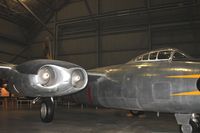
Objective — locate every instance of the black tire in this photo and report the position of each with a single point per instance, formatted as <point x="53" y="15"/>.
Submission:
<point x="195" y="127"/>
<point x="47" y="110"/>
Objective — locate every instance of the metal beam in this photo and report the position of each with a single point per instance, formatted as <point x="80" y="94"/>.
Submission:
<point x="46" y="4"/>
<point x="12" y="39"/>
<point x="11" y="54"/>
<point x="105" y="51"/>
<point x="14" y="17"/>
<point x="99" y="39"/>
<point x="35" y="16"/>
<point x="6" y="4"/>
<point x="127" y="13"/>
<point x="149" y="25"/>
<point x="133" y="27"/>
<point x="56" y="30"/>
<point x="19" y="55"/>
<point x="88" y="7"/>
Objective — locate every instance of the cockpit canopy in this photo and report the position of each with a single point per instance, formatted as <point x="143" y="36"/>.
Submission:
<point x="162" y="55"/>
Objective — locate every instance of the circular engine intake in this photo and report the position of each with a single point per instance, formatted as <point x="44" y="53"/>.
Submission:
<point x="78" y="78"/>
<point x="46" y="76"/>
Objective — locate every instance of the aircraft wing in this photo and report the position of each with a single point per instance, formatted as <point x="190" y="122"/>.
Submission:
<point x="108" y="73"/>
<point x="43" y="78"/>
<point x="95" y="76"/>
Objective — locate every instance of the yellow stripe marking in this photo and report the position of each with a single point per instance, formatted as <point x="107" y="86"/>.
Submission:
<point x="186" y="76"/>
<point x="192" y="93"/>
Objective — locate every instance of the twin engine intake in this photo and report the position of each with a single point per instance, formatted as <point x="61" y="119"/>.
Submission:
<point x="47" y="78"/>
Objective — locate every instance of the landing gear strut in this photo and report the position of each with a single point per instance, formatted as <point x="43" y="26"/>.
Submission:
<point x="47" y="110"/>
<point x="189" y="123"/>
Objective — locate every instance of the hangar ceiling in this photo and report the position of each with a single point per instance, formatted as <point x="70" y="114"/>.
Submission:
<point x="26" y="12"/>
<point x="96" y="33"/>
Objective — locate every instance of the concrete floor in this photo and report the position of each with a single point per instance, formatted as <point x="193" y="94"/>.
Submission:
<point x="75" y="120"/>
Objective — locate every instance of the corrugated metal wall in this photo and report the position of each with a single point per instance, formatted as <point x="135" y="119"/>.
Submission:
<point x="96" y="33"/>
<point x="10" y="42"/>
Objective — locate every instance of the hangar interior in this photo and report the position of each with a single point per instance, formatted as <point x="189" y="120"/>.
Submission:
<point x="95" y="33"/>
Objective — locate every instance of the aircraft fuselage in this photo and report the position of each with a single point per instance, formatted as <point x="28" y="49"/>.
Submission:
<point x="161" y="86"/>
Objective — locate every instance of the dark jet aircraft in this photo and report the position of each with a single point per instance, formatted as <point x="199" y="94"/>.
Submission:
<point x="43" y="79"/>
<point x="164" y="80"/>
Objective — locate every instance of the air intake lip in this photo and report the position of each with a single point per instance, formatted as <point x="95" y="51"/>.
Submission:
<point x="198" y="84"/>
<point x="79" y="78"/>
<point x="46" y="76"/>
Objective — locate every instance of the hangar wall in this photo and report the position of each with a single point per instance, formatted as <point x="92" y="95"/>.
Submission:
<point x="96" y="33"/>
<point x="11" y="42"/>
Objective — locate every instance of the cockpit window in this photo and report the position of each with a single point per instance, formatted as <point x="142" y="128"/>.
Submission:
<point x="145" y="57"/>
<point x="139" y="58"/>
<point x="178" y="56"/>
<point x="164" y="55"/>
<point x="153" y="55"/>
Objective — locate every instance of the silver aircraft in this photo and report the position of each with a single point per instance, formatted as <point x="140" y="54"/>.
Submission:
<point x="43" y="79"/>
<point x="164" y="80"/>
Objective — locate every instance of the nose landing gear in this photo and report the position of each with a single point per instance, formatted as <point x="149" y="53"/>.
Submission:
<point x="189" y="123"/>
<point x="47" y="110"/>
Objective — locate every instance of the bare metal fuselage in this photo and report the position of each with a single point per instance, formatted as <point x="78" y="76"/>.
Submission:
<point x="161" y="86"/>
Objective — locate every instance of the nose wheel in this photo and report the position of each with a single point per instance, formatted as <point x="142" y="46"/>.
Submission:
<point x="189" y="123"/>
<point x="47" y="110"/>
